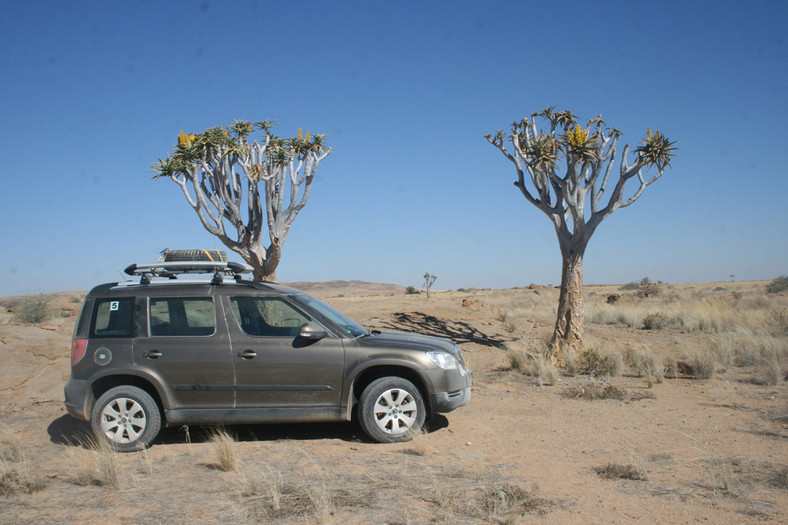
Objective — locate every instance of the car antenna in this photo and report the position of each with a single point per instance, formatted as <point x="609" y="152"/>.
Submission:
<point x="125" y="279"/>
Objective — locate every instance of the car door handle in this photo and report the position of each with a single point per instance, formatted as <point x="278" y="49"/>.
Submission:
<point x="248" y="354"/>
<point x="153" y="354"/>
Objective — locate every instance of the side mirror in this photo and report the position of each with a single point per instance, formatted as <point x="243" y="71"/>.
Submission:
<point x="312" y="331"/>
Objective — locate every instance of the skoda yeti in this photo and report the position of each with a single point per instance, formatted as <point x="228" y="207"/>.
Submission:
<point x="170" y="350"/>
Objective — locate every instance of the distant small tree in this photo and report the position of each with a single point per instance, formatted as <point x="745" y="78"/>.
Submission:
<point x="428" y="280"/>
<point x="733" y="277"/>
<point x="647" y="288"/>
<point x="222" y="172"/>
<point x="577" y="197"/>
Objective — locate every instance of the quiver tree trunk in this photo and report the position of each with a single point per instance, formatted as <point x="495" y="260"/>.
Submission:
<point x="568" y="333"/>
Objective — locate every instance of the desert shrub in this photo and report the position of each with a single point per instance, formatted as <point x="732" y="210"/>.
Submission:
<point x="778" y="284"/>
<point x="596" y="362"/>
<point x="630" y="286"/>
<point x="655" y="321"/>
<point x="34" y="309"/>
<point x="410" y="290"/>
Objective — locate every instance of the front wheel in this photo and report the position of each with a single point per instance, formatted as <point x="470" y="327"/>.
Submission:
<point x="127" y="417"/>
<point x="391" y="410"/>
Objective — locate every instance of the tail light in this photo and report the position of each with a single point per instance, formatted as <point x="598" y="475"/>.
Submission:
<point x="78" y="347"/>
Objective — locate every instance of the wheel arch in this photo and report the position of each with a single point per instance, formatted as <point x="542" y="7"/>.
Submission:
<point x="370" y="374"/>
<point x="103" y="384"/>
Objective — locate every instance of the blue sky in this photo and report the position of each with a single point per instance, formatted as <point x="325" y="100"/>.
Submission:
<point x="93" y="92"/>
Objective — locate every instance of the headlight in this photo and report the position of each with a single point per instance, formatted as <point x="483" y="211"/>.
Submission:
<point x="443" y="360"/>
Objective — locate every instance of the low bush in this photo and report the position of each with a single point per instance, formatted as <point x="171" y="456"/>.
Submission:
<point x="778" y="284"/>
<point x="596" y="362"/>
<point x="34" y="309"/>
<point x="410" y="290"/>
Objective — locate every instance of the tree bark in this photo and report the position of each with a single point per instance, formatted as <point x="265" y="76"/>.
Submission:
<point x="568" y="333"/>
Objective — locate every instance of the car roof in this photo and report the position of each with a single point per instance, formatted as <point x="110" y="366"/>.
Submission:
<point x="191" y="285"/>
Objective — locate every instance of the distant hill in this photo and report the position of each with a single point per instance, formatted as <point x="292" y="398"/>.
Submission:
<point x="347" y="288"/>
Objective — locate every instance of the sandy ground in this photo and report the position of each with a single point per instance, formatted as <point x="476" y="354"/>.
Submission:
<point x="681" y="451"/>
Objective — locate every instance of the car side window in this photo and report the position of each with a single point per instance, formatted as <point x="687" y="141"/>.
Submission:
<point x="182" y="316"/>
<point x="267" y="316"/>
<point x="113" y="318"/>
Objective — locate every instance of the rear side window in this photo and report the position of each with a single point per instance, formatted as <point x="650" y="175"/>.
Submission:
<point x="182" y="316"/>
<point x="113" y="317"/>
<point x="267" y="316"/>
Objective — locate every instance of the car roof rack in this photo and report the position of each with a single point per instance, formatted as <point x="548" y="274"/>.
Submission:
<point x="171" y="270"/>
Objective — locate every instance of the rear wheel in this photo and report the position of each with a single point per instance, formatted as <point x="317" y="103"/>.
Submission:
<point x="127" y="417"/>
<point x="391" y="410"/>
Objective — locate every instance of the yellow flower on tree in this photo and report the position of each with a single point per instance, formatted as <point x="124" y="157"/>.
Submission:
<point x="578" y="136"/>
<point x="184" y="139"/>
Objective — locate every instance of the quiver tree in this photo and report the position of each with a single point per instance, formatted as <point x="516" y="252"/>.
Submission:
<point x="429" y="280"/>
<point x="222" y="172"/>
<point x="573" y="175"/>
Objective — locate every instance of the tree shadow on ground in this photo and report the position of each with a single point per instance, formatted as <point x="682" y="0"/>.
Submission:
<point x="458" y="331"/>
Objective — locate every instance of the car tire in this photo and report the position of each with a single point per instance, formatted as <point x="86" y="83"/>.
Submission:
<point x="126" y="417"/>
<point x="391" y="410"/>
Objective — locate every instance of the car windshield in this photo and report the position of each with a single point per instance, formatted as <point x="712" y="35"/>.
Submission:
<point x="350" y="326"/>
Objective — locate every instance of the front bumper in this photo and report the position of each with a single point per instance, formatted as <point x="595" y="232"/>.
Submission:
<point x="442" y="402"/>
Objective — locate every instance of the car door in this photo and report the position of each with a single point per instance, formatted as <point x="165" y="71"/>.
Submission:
<point x="188" y="352"/>
<point x="275" y="368"/>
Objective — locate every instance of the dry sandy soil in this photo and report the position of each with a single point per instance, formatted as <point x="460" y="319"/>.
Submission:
<point x="684" y="450"/>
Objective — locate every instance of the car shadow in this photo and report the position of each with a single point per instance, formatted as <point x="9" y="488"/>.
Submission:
<point x="67" y="430"/>
<point x="70" y="431"/>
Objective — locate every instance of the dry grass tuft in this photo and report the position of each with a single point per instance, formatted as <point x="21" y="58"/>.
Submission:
<point x="94" y="462"/>
<point x="594" y="391"/>
<point x="12" y="483"/>
<point x="11" y="447"/>
<point x="510" y="500"/>
<point x="499" y="502"/>
<point x="537" y="366"/>
<point x="419" y="444"/>
<point x="617" y="471"/>
<point x="225" y="448"/>
<point x="737" y="477"/>
<point x="699" y="362"/>
<point x="648" y="363"/>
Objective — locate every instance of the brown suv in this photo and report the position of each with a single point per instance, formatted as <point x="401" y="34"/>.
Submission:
<point x="172" y="350"/>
